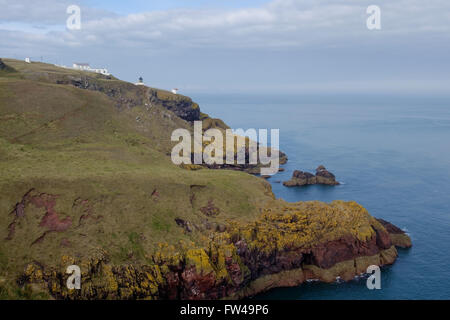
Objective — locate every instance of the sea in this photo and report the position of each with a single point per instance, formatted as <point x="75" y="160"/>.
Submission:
<point x="391" y="152"/>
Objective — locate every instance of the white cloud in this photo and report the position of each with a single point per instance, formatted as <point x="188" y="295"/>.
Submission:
<point x="320" y="39"/>
<point x="279" y="23"/>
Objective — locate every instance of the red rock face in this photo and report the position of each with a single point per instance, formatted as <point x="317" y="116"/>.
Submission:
<point x="383" y="239"/>
<point x="324" y="255"/>
<point x="170" y="291"/>
<point x="50" y="221"/>
<point x="196" y="286"/>
<point x="192" y="285"/>
<point x="185" y="282"/>
<point x="235" y="272"/>
<point x="327" y="255"/>
<point x="188" y="283"/>
<point x="390" y="227"/>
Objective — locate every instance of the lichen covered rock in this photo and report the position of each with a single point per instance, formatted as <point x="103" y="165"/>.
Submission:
<point x="287" y="245"/>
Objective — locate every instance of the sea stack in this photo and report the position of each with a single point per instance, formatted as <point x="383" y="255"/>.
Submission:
<point x="300" y="178"/>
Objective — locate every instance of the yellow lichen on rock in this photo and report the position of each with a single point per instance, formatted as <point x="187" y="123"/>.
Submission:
<point x="200" y="260"/>
<point x="306" y="224"/>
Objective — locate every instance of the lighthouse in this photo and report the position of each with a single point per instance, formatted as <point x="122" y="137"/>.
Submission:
<point x="140" y="82"/>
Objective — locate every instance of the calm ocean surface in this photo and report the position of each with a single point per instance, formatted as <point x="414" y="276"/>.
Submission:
<point x="392" y="155"/>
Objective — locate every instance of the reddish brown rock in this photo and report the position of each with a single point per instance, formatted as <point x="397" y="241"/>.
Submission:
<point x="397" y="236"/>
<point x="210" y="209"/>
<point x="51" y="221"/>
<point x="323" y="176"/>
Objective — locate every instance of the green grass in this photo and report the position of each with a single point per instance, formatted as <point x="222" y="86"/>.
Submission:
<point x="75" y="144"/>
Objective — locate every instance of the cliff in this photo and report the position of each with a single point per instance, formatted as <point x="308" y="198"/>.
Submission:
<point x="87" y="180"/>
<point x="286" y="246"/>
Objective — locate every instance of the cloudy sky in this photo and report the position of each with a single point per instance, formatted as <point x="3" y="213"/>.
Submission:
<point x="275" y="46"/>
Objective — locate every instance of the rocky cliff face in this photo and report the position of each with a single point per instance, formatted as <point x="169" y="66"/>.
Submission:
<point x="182" y="106"/>
<point x="323" y="176"/>
<point x="4" y="67"/>
<point x="85" y="180"/>
<point x="129" y="96"/>
<point x="279" y="249"/>
<point x="397" y="235"/>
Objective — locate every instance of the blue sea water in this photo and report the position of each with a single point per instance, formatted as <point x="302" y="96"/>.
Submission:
<point x="392" y="155"/>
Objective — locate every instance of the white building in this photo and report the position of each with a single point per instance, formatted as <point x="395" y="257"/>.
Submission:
<point x="87" y="67"/>
<point x="27" y="60"/>
<point x="175" y="90"/>
<point x="102" y="71"/>
<point x="81" y="66"/>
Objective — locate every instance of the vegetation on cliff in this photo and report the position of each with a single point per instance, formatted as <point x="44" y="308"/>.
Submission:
<point x="87" y="180"/>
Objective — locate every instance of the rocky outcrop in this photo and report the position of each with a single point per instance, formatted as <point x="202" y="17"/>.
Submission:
<point x="323" y="176"/>
<point x="280" y="249"/>
<point x="5" y="67"/>
<point x="129" y="95"/>
<point x="182" y="106"/>
<point x="300" y="178"/>
<point x="398" y="237"/>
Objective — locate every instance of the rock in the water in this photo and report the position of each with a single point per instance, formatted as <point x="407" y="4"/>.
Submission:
<point x="398" y="237"/>
<point x="323" y="176"/>
<point x="300" y="178"/>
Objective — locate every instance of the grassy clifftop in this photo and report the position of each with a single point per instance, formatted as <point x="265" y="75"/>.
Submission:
<point x="86" y="178"/>
<point x="89" y="154"/>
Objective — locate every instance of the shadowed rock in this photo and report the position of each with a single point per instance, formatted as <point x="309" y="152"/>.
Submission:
<point x="398" y="237"/>
<point x="4" y="67"/>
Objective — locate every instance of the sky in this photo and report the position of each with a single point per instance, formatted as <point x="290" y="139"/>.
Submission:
<point x="231" y="46"/>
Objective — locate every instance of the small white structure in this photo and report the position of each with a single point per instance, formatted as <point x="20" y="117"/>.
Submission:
<point x="102" y="71"/>
<point x="140" y="82"/>
<point x="86" y="67"/>
<point x="27" y="60"/>
<point x="81" y="66"/>
<point x="175" y="90"/>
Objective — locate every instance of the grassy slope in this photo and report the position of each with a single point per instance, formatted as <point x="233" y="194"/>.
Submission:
<point x="97" y="160"/>
<point x="75" y="144"/>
